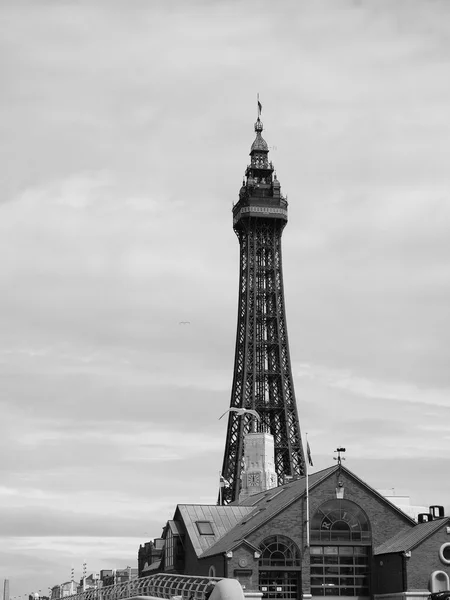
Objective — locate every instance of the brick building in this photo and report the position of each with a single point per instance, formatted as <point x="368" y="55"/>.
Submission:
<point x="149" y="556"/>
<point x="113" y="576"/>
<point x="357" y="543"/>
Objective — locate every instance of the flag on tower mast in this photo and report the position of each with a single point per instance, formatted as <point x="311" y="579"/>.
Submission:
<point x="308" y="452"/>
<point x="259" y="107"/>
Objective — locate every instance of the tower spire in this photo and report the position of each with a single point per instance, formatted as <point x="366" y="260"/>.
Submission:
<point x="262" y="378"/>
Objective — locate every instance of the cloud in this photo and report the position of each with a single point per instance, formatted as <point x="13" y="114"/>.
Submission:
<point x="397" y="391"/>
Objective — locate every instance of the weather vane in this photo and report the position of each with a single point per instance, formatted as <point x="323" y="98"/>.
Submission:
<point x="339" y="458"/>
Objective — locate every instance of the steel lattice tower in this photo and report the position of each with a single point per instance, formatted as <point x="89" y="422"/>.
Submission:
<point x="262" y="368"/>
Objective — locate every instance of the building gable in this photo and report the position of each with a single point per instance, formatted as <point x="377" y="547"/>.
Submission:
<point x="206" y="524"/>
<point x="266" y="506"/>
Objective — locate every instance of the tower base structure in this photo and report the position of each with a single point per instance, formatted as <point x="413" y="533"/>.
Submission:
<point x="259" y="472"/>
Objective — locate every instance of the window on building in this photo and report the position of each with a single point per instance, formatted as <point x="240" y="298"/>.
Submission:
<point x="339" y="570"/>
<point x="205" y="527"/>
<point x="340" y="520"/>
<point x="279" y="551"/>
<point x="168" y="551"/>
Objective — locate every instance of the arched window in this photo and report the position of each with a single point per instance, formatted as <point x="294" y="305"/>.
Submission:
<point x="340" y="520"/>
<point x="279" y="551"/>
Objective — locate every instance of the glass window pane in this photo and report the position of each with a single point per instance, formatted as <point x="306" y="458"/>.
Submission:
<point x="205" y="528"/>
<point x="347" y="591"/>
<point x="331" y="592"/>
<point x="335" y="573"/>
<point x="334" y="513"/>
<point x="317" y="591"/>
<point x="341" y="536"/>
<point x="279" y="551"/>
<point x="316" y="550"/>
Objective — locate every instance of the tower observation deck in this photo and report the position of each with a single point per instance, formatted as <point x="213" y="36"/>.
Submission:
<point x="262" y="377"/>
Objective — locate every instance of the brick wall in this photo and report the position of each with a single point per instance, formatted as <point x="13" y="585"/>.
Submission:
<point x="425" y="559"/>
<point x="244" y="567"/>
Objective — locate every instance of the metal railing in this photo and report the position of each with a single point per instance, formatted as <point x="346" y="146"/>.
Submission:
<point x="161" y="585"/>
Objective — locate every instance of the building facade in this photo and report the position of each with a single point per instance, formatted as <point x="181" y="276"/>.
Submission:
<point x="353" y="544"/>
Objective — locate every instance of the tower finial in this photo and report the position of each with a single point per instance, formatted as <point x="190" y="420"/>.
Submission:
<point x="258" y="124"/>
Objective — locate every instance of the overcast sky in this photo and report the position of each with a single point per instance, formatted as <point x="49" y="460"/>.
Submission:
<point x="125" y="132"/>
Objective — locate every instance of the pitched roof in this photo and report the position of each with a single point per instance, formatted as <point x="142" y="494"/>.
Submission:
<point x="222" y="519"/>
<point x="263" y="507"/>
<point x="173" y="526"/>
<point x="403" y="541"/>
<point x="269" y="503"/>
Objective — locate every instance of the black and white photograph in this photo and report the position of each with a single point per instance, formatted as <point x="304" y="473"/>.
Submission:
<point x="225" y="299"/>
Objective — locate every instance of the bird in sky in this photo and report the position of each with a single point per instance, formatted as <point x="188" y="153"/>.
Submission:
<point x="184" y="323"/>
<point x="242" y="411"/>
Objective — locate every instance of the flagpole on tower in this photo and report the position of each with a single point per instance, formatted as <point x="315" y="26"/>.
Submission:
<point x="307" y="499"/>
<point x="259" y="105"/>
<point x="309" y="463"/>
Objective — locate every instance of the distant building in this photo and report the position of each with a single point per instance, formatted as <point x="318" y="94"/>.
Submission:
<point x="90" y="582"/>
<point x="113" y="576"/>
<point x="105" y="575"/>
<point x="404" y="503"/>
<point x="149" y="557"/>
<point x="69" y="588"/>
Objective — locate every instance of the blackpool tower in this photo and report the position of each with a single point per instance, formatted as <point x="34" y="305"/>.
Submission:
<point x="262" y="378"/>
